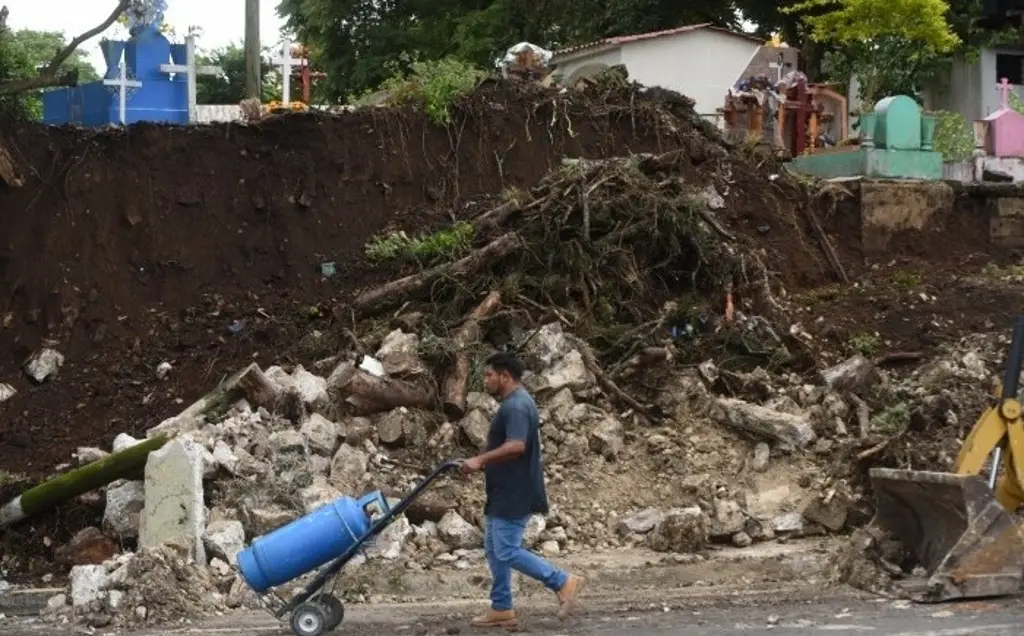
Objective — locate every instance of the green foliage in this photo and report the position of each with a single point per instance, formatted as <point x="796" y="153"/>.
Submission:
<point x="857" y="21"/>
<point x="954" y="136"/>
<point x="1010" y="271"/>
<point x="1016" y="103"/>
<point x="865" y="343"/>
<point x="892" y="420"/>
<point x="913" y="66"/>
<point x="906" y="280"/>
<point x="427" y="250"/>
<point x="229" y="88"/>
<point x="434" y="85"/>
<point x="890" y="47"/>
<point x="22" y="54"/>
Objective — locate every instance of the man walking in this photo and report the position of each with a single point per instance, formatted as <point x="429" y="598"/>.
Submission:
<point x="514" y="481"/>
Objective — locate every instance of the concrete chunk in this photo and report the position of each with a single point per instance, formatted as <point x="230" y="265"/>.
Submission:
<point x="224" y="539"/>
<point x="793" y="430"/>
<point x="321" y="435"/>
<point x="174" y="513"/>
<point x="125" y="501"/>
<point x="87" y="583"/>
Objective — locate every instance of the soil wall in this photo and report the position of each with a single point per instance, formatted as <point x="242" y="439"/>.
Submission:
<point x="160" y="243"/>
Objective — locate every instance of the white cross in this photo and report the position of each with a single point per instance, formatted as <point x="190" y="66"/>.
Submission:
<point x="287" y="62"/>
<point x="123" y="84"/>
<point x="189" y="68"/>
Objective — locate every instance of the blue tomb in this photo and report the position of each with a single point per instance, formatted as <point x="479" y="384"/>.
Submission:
<point x="152" y="94"/>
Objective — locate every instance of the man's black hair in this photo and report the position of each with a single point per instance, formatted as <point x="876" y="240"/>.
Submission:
<point x="506" y="361"/>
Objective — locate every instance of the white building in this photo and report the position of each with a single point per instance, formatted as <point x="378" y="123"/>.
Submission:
<point x="700" y="61"/>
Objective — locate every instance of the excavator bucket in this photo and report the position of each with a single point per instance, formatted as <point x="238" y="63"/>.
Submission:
<point x="965" y="540"/>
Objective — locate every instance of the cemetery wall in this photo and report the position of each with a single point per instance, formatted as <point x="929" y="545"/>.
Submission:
<point x="210" y="113"/>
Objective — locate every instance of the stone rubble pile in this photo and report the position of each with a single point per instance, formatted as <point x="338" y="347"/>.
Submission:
<point x="227" y="479"/>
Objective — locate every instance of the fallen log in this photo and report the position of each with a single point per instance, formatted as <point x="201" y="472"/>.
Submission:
<point x="369" y="394"/>
<point x="457" y="379"/>
<point x="898" y="356"/>
<point x="401" y="290"/>
<point x="250" y="383"/>
<point x="126" y="464"/>
<point x="496" y="217"/>
<point x="258" y="388"/>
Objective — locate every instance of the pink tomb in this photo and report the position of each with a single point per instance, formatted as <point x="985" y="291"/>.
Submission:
<point x="1005" y="128"/>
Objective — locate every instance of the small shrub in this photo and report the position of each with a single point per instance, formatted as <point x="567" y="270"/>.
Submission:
<point x="441" y="246"/>
<point x="433" y="84"/>
<point x="866" y="344"/>
<point x="954" y="136"/>
<point x="892" y="420"/>
<point x="906" y="280"/>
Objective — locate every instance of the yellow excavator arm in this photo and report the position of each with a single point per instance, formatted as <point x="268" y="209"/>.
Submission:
<point x="958" y="525"/>
<point x="998" y="433"/>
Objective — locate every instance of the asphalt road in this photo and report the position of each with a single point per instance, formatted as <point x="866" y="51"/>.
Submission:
<point x="844" y="616"/>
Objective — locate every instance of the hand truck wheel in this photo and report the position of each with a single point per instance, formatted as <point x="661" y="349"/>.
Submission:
<point x="310" y="619"/>
<point x="334" y="608"/>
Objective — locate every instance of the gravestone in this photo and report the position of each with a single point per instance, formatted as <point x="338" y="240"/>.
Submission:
<point x="1004" y="129"/>
<point x="897" y="124"/>
<point x="895" y="143"/>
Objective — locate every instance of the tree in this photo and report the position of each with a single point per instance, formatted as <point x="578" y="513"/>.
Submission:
<point x="51" y="73"/>
<point x="891" y="47"/>
<point x="24" y="52"/>
<point x="229" y="88"/>
<point x="38" y="47"/>
<point x="358" y="41"/>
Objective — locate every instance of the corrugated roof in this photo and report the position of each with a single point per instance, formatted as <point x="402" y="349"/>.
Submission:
<point x="625" y="39"/>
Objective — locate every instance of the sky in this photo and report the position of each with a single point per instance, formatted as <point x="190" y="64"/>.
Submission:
<point x="222" y="21"/>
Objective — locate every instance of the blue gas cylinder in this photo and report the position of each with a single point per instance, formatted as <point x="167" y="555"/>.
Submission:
<point x="308" y="542"/>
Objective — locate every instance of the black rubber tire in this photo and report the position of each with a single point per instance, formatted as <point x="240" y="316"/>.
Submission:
<point x="310" y="619"/>
<point x="334" y="608"/>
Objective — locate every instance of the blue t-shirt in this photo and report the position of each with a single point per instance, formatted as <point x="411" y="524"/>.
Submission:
<point x="515" y="488"/>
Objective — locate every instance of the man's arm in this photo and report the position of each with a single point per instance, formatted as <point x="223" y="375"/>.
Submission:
<point x="517" y="428"/>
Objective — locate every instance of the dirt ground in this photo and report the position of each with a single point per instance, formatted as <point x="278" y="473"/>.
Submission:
<point x="759" y="594"/>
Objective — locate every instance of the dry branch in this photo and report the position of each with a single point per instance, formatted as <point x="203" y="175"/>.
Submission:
<point x="468" y="334"/>
<point x="591" y="363"/>
<point x="403" y="289"/>
<point x="826" y="245"/>
<point x="8" y="168"/>
<point x="863" y="414"/>
<point x="48" y="75"/>
<point x="898" y="356"/>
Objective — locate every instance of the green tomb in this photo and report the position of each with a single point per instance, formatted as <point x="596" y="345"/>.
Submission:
<point x="895" y="143"/>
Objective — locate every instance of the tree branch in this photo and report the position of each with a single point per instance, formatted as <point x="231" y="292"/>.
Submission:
<point x="48" y="76"/>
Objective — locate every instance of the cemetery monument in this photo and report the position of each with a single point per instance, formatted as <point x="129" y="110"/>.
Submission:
<point x="895" y="143"/>
<point x="147" y="79"/>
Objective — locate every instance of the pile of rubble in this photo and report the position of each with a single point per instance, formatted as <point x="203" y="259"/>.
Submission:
<point x="229" y="477"/>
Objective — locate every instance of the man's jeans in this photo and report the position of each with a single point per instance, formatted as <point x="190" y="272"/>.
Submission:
<point x="503" y="542"/>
